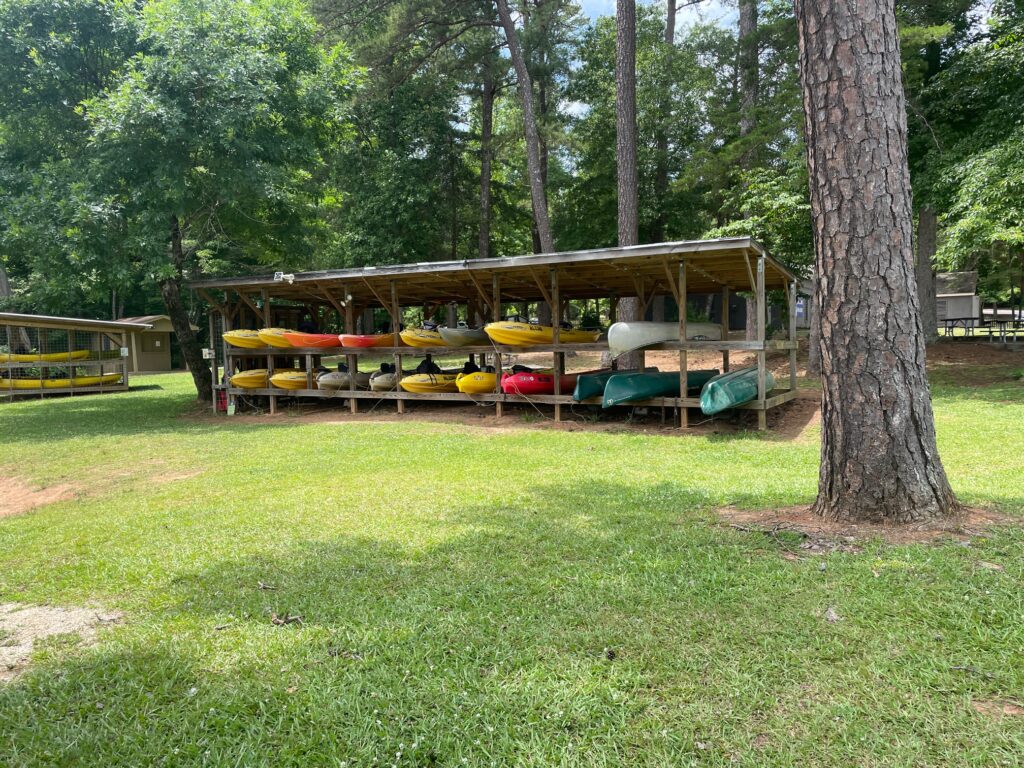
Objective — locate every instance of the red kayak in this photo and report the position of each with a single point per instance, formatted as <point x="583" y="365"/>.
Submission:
<point x="540" y="383"/>
<point x="374" y="340"/>
<point x="311" y="340"/>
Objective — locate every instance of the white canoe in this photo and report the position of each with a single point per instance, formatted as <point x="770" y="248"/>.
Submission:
<point x="629" y="337"/>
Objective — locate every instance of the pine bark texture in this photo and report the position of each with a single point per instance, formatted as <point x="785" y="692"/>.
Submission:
<point x="879" y="460"/>
<point x="625" y="148"/>
<point x="661" y="136"/>
<point x="525" y="89"/>
<point x="170" y="290"/>
<point x="927" y="244"/>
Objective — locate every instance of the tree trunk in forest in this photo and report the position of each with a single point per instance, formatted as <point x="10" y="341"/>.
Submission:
<point x="486" y="133"/>
<point x="927" y="244"/>
<point x="661" y="138"/>
<point x="879" y="460"/>
<point x="525" y="89"/>
<point x="625" y="148"/>
<point x="170" y="289"/>
<point x="749" y="77"/>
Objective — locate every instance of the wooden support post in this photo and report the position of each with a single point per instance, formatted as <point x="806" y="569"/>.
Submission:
<point x="396" y="313"/>
<point x="684" y="417"/>
<point x="213" y="357"/>
<point x="792" y="335"/>
<point x="268" y="322"/>
<point x="124" y="361"/>
<point x="229" y="362"/>
<point x="353" y="360"/>
<point x="762" y="414"/>
<point x="725" y="328"/>
<point x="496" y="315"/>
<point x="555" y="300"/>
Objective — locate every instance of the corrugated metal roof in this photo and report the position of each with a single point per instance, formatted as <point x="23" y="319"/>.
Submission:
<point x="50" y="321"/>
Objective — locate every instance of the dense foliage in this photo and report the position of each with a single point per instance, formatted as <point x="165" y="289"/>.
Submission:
<point x="349" y="133"/>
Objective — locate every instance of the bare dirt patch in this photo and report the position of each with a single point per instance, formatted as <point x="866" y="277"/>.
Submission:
<point x="822" y="536"/>
<point x="998" y="708"/>
<point x="17" y="496"/>
<point x="22" y="625"/>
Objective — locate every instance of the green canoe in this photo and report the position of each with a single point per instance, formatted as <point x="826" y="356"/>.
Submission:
<point x="630" y="387"/>
<point x="590" y="385"/>
<point x="732" y="389"/>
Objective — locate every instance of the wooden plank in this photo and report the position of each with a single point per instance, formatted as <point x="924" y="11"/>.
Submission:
<point x="684" y="417"/>
<point x="792" y="333"/>
<point x="496" y="314"/>
<point x="544" y="291"/>
<point x="339" y="308"/>
<point x="213" y="358"/>
<point x="725" y="328"/>
<point x="208" y="298"/>
<point x="396" y="314"/>
<point x="762" y="421"/>
<point x="671" y="280"/>
<point x="353" y="360"/>
<point x="556" y="334"/>
<point x="249" y="303"/>
<point x="483" y="294"/>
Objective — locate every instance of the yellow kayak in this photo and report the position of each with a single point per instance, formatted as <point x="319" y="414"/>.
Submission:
<point x="478" y="383"/>
<point x="244" y="339"/>
<point x="49" y="357"/>
<point x="291" y="380"/>
<point x="421" y="337"/>
<point x="78" y="381"/>
<point x="256" y="378"/>
<point x="516" y="334"/>
<point x="430" y="382"/>
<point x="274" y="337"/>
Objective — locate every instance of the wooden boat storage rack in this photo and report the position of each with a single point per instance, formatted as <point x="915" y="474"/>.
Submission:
<point x="484" y="287"/>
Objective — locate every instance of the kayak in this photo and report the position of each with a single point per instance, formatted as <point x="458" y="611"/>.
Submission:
<point x="479" y="383"/>
<point x="732" y="389"/>
<point x="244" y="338"/>
<point x="430" y="382"/>
<point x="383" y="381"/>
<point x="421" y="337"/>
<point x="274" y="337"/>
<point x="627" y="337"/>
<point x="538" y="383"/>
<point x="516" y="334"/>
<point x="590" y="385"/>
<point x="291" y="380"/>
<point x="464" y="337"/>
<point x="78" y="381"/>
<point x="342" y="380"/>
<point x="255" y="378"/>
<point x="48" y="357"/>
<point x="312" y="340"/>
<point x="630" y="387"/>
<point x="369" y="340"/>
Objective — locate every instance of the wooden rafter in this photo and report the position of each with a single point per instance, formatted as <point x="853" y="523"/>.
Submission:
<point x="481" y="291"/>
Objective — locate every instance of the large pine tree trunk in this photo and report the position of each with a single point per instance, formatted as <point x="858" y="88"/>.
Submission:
<point x="170" y="289"/>
<point x="486" y="133"/>
<point x="749" y="77"/>
<point x="625" y="147"/>
<point x="525" y="89"/>
<point x="927" y="244"/>
<point x="879" y="460"/>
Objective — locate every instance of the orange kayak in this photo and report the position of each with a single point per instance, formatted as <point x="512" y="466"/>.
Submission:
<point x="375" y="340"/>
<point x="311" y="340"/>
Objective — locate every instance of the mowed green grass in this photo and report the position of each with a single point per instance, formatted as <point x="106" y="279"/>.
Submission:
<point x="513" y="597"/>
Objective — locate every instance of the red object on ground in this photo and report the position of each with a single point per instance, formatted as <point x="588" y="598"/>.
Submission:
<point x="222" y="401"/>
<point x="539" y="383"/>
<point x="375" y="340"/>
<point x="311" y="340"/>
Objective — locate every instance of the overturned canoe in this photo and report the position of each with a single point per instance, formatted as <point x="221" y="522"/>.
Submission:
<point x="732" y="389"/>
<point x="590" y="385"/>
<point x="628" y="337"/>
<point x="633" y="387"/>
<point x="463" y="337"/>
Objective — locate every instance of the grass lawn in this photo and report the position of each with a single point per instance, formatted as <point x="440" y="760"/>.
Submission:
<point x="514" y="597"/>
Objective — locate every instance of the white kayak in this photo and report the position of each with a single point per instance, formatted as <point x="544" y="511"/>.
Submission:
<point x="342" y="379"/>
<point x="629" y="337"/>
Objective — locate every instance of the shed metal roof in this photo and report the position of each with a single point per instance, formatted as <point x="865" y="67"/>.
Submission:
<point x="68" y="323"/>
<point x="596" y="273"/>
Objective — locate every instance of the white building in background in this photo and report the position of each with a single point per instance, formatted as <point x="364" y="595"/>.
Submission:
<point x="956" y="297"/>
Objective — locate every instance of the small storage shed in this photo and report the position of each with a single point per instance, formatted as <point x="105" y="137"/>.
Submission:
<point x="956" y="297"/>
<point x="149" y="350"/>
